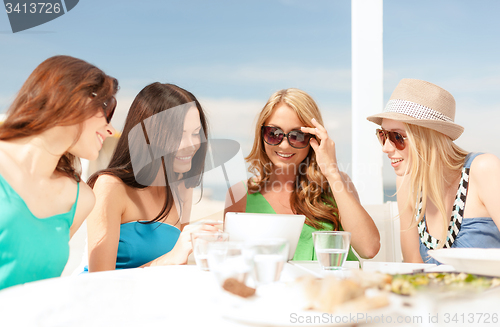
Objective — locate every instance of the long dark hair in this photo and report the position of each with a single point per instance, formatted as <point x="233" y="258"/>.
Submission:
<point x="57" y="94"/>
<point x="142" y="135"/>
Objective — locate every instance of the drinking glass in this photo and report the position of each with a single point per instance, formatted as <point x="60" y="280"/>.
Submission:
<point x="269" y="257"/>
<point x="200" y="241"/>
<point x="331" y="248"/>
<point x="229" y="260"/>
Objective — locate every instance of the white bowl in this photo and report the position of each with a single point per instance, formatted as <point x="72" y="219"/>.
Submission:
<point x="470" y="260"/>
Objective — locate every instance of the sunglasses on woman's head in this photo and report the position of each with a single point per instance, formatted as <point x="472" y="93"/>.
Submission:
<point x="108" y="107"/>
<point x="274" y="136"/>
<point x="397" y="139"/>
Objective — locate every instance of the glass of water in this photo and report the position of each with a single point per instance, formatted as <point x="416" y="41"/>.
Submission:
<point x="200" y="241"/>
<point x="269" y="257"/>
<point x="229" y="260"/>
<point x="331" y="248"/>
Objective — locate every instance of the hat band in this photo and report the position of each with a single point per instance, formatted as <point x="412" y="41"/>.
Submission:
<point x="415" y="110"/>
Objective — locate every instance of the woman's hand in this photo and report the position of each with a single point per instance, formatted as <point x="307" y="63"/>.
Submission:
<point x="184" y="247"/>
<point x="324" y="147"/>
<point x="365" y="237"/>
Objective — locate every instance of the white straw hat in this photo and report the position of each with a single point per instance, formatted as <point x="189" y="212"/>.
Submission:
<point x="424" y="104"/>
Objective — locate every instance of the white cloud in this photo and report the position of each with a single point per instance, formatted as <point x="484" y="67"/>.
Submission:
<point x="233" y="119"/>
<point x="468" y="83"/>
<point x="317" y="78"/>
<point x="473" y="84"/>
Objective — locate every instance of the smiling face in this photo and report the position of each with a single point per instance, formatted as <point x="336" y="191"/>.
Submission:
<point x="399" y="158"/>
<point x="94" y="131"/>
<point x="284" y="155"/>
<point x="190" y="143"/>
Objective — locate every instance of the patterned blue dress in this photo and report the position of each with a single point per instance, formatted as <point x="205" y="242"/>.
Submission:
<point x="479" y="232"/>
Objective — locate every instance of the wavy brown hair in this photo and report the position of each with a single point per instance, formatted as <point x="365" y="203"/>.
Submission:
<point x="57" y="94"/>
<point x="432" y="156"/>
<point x="313" y="196"/>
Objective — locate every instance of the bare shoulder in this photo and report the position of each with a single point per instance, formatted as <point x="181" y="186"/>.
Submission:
<point x="485" y="163"/>
<point x="485" y="169"/>
<point x="109" y="186"/>
<point x="106" y="179"/>
<point x="239" y="187"/>
<point x="109" y="193"/>
<point x="236" y="198"/>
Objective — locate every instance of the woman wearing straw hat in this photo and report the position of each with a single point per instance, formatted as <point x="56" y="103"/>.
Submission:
<point x="435" y="177"/>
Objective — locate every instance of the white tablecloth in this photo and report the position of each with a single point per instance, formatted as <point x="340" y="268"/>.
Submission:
<point x="186" y="296"/>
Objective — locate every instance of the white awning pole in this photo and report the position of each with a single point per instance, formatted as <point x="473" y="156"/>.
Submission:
<point x="367" y="97"/>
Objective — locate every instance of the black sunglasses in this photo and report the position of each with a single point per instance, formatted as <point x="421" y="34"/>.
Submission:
<point x="397" y="139"/>
<point x="274" y="136"/>
<point x="108" y="107"/>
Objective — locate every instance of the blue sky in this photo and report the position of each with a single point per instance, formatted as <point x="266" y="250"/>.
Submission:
<point x="234" y="54"/>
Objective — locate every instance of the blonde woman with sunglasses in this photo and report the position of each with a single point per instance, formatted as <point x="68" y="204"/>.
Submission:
<point x="447" y="197"/>
<point x="296" y="172"/>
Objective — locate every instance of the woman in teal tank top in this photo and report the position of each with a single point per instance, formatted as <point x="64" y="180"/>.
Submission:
<point x="62" y="112"/>
<point x="296" y="172"/>
<point x="144" y="196"/>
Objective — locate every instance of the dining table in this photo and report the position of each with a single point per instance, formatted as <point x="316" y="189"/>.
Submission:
<point x="184" y="295"/>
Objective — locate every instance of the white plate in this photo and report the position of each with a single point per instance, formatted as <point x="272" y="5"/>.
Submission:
<point x="280" y="304"/>
<point x="470" y="260"/>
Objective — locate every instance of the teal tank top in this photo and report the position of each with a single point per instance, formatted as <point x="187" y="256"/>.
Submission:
<point x="257" y="203"/>
<point x="31" y="248"/>
<point x="141" y="243"/>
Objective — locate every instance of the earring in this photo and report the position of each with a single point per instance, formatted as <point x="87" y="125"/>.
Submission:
<point x="109" y="132"/>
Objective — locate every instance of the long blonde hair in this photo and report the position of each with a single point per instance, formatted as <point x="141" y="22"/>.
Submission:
<point x="432" y="157"/>
<point x="313" y="196"/>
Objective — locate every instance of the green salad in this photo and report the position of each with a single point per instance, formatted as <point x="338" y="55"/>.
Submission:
<point x="411" y="283"/>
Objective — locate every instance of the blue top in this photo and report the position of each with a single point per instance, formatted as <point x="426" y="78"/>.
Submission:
<point x="480" y="232"/>
<point x="31" y="248"/>
<point x="141" y="243"/>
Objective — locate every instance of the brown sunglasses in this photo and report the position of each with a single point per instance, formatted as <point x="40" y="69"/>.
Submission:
<point x="397" y="139"/>
<point x="108" y="107"/>
<point x="273" y="135"/>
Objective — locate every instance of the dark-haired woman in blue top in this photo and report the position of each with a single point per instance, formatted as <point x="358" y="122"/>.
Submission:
<point x="144" y="197"/>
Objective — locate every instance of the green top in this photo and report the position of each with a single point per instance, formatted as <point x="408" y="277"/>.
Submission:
<point x="256" y="203"/>
<point x="31" y="248"/>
